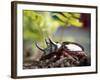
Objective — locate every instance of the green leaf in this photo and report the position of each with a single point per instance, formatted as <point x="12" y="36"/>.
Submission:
<point x="76" y="15"/>
<point x="61" y="17"/>
<point x="66" y="14"/>
<point x="75" y="22"/>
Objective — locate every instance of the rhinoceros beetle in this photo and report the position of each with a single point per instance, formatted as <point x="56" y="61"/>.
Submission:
<point x="53" y="46"/>
<point x="55" y="49"/>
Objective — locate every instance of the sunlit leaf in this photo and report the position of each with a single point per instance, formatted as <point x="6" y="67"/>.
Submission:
<point x="75" y="22"/>
<point x="76" y="15"/>
<point x="61" y="17"/>
<point x="66" y="14"/>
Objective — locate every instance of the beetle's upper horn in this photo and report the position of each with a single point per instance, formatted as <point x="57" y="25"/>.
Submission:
<point x="47" y="42"/>
<point x="52" y="42"/>
<point x="38" y="47"/>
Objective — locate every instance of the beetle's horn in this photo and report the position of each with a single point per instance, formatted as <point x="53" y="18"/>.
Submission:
<point x="47" y="43"/>
<point x="38" y="47"/>
<point x="52" y="42"/>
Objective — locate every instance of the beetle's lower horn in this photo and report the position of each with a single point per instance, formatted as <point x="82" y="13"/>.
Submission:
<point x="52" y="42"/>
<point x="47" y="43"/>
<point x="38" y="47"/>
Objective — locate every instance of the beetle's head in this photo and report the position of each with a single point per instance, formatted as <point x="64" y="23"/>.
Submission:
<point x="51" y="46"/>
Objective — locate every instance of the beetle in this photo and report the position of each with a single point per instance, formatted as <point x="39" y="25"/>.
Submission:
<point x="55" y="51"/>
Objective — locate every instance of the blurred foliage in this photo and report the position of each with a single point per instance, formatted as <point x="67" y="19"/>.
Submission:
<point x="39" y="25"/>
<point x="68" y="19"/>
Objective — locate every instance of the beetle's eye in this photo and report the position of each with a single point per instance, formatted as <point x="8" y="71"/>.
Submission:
<point x="74" y="47"/>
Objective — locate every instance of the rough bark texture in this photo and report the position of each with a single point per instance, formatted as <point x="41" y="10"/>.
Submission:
<point x="60" y="58"/>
